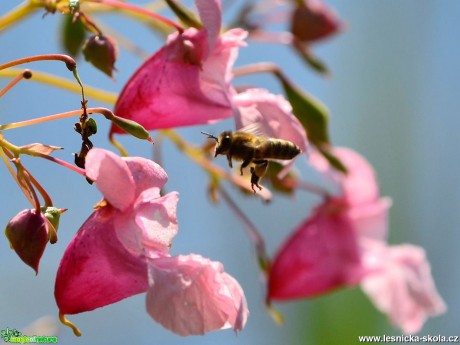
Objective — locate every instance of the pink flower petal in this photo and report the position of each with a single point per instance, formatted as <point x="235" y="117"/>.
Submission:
<point x="320" y="256"/>
<point x="109" y="170"/>
<point x="211" y="15"/>
<point x="96" y="269"/>
<point x="400" y="284"/>
<point x="146" y="175"/>
<point x="193" y="295"/>
<point x="371" y="220"/>
<point x="184" y="83"/>
<point x="150" y="231"/>
<point x="359" y="186"/>
<point x="273" y="115"/>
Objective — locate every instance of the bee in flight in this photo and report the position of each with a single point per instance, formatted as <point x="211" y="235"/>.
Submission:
<point x="250" y="148"/>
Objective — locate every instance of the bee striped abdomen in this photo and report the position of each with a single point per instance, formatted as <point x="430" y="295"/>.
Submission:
<point x="277" y="149"/>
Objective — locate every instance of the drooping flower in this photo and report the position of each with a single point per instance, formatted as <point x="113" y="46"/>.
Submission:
<point x="129" y="233"/>
<point x="313" y="20"/>
<point x="28" y="236"/>
<point x="29" y="232"/>
<point x="321" y="255"/>
<point x="396" y="278"/>
<point x="186" y="82"/>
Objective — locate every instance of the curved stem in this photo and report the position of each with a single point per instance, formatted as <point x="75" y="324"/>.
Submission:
<point x="104" y="111"/>
<point x="24" y="75"/>
<point x="25" y="182"/>
<point x="70" y="62"/>
<point x="254" y="235"/>
<point x="59" y="161"/>
<point x="131" y="8"/>
<point x="3" y="155"/>
<point x="46" y="198"/>
<point x="261" y="67"/>
<point x="66" y="84"/>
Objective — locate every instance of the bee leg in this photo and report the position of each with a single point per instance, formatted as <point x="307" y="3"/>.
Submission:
<point x="229" y="159"/>
<point x="258" y="172"/>
<point x="245" y="164"/>
<point x="254" y="180"/>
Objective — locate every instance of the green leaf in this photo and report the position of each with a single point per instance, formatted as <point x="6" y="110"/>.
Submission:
<point x="73" y="35"/>
<point x="186" y="16"/>
<point x="314" y="117"/>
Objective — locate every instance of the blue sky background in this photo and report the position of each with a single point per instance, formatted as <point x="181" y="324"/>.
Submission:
<point x="393" y="97"/>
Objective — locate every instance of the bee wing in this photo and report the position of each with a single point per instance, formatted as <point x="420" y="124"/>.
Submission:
<point x="255" y="129"/>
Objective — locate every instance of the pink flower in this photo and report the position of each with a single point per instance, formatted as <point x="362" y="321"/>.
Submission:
<point x="400" y="284"/>
<point x="322" y="254"/>
<point x="346" y="245"/>
<point x="193" y="295"/>
<point x="187" y="82"/>
<point x="129" y="234"/>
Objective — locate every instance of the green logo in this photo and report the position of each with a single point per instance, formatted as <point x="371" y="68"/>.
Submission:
<point x="16" y="337"/>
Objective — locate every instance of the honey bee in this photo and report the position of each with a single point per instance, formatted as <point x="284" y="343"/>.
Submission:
<point x="250" y="148"/>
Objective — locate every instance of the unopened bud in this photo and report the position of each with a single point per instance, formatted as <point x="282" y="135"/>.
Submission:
<point x="102" y="52"/>
<point x="28" y="236"/>
<point x="313" y="20"/>
<point x="131" y="127"/>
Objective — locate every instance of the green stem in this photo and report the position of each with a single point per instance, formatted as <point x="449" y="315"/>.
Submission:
<point x="18" y="13"/>
<point x="254" y="235"/>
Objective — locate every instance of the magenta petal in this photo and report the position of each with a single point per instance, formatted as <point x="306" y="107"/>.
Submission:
<point x="320" y="256"/>
<point x="146" y="175"/>
<point x="211" y="17"/>
<point x="28" y="236"/>
<point x="173" y="89"/>
<point x="109" y="170"/>
<point x="193" y="295"/>
<point x="151" y="231"/>
<point x="359" y="185"/>
<point x="96" y="269"/>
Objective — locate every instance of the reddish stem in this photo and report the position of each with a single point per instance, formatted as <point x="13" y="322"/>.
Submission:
<point x="70" y="63"/>
<point x="129" y="7"/>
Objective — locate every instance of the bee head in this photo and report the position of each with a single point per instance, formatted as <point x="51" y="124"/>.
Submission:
<point x="223" y="143"/>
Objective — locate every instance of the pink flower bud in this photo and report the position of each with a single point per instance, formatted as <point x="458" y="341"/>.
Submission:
<point x="313" y="21"/>
<point x="102" y="52"/>
<point x="28" y="235"/>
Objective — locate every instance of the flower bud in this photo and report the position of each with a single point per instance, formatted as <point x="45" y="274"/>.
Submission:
<point x="102" y="52"/>
<point x="131" y="127"/>
<point x="313" y="20"/>
<point x="53" y="215"/>
<point x="28" y="235"/>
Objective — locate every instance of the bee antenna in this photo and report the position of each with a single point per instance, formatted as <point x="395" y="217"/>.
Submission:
<point x="210" y="136"/>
